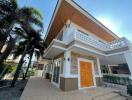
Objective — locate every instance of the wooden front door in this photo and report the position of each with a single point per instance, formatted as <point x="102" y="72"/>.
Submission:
<point x="86" y="74"/>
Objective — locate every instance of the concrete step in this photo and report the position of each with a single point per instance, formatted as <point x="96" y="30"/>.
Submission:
<point x="119" y="98"/>
<point x="110" y="96"/>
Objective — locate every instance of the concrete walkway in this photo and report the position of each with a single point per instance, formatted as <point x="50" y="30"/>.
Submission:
<point x="42" y="89"/>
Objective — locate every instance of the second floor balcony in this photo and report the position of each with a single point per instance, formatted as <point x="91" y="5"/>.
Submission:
<point x="75" y="39"/>
<point x="76" y="35"/>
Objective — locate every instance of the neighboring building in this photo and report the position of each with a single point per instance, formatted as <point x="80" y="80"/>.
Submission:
<point x="10" y="59"/>
<point x="78" y="45"/>
<point x="39" y="65"/>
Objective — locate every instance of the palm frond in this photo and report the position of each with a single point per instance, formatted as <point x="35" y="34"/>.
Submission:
<point x="36" y="13"/>
<point x="29" y="11"/>
<point x="19" y="49"/>
<point x="8" y="6"/>
<point x="20" y="32"/>
<point x="36" y="21"/>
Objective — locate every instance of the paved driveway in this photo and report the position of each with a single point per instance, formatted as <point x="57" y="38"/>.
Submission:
<point x="42" y="89"/>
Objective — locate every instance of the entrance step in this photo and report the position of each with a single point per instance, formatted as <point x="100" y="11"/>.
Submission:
<point x="110" y="96"/>
<point x="120" y="98"/>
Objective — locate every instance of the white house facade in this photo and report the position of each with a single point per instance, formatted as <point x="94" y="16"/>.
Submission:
<point x="78" y="45"/>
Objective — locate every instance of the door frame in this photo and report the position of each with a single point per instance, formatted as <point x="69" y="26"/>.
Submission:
<point x="93" y="72"/>
<point x="55" y="84"/>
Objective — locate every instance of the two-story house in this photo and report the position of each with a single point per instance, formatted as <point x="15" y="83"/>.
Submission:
<point x="78" y="45"/>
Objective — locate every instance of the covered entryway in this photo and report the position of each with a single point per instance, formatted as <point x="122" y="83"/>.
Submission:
<point x="86" y="74"/>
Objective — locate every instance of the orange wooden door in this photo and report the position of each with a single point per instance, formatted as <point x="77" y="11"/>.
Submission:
<point x="86" y="76"/>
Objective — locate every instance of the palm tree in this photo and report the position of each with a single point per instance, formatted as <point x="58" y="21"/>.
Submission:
<point x="6" y="9"/>
<point x="28" y="46"/>
<point x="26" y="17"/>
<point x="38" y="48"/>
<point x="10" y="45"/>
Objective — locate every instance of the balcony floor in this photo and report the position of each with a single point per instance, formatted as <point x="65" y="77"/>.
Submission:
<point x="42" y="89"/>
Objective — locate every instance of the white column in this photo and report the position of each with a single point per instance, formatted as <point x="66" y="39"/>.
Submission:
<point x="99" y="68"/>
<point x="67" y="64"/>
<point x="128" y="56"/>
<point x="51" y="66"/>
<point x="109" y="69"/>
<point x="68" y="34"/>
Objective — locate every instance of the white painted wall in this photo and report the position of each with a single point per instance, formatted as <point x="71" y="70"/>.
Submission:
<point x="128" y="56"/>
<point x="68" y="34"/>
<point x="67" y="64"/>
<point x="87" y="32"/>
<point x="99" y="68"/>
<point x="39" y="73"/>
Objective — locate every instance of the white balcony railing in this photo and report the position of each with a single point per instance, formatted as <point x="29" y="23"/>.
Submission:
<point x="122" y="42"/>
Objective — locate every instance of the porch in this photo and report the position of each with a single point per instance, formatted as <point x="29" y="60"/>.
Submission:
<point x="41" y="89"/>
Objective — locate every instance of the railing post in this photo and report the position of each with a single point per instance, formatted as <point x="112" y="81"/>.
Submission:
<point x="75" y="34"/>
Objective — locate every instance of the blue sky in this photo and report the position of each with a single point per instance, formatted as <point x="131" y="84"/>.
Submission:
<point x="114" y="14"/>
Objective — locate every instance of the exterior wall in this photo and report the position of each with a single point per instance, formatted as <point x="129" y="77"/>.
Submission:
<point x="68" y="34"/>
<point x="71" y="83"/>
<point x="39" y="73"/>
<point x="128" y="56"/>
<point x="69" y="29"/>
<point x="68" y="84"/>
<point x="74" y="62"/>
<point x="81" y="29"/>
<point x="74" y="66"/>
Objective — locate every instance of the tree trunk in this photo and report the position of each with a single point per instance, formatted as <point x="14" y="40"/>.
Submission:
<point x="29" y="63"/>
<point x="7" y="51"/>
<point x="19" y="66"/>
<point x="5" y="35"/>
<point x="4" y="70"/>
<point x="23" y="74"/>
<point x="2" y="43"/>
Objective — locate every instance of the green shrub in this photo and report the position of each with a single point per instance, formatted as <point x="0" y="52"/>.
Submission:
<point x="129" y="89"/>
<point x="11" y="67"/>
<point x="1" y="67"/>
<point x="116" y="80"/>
